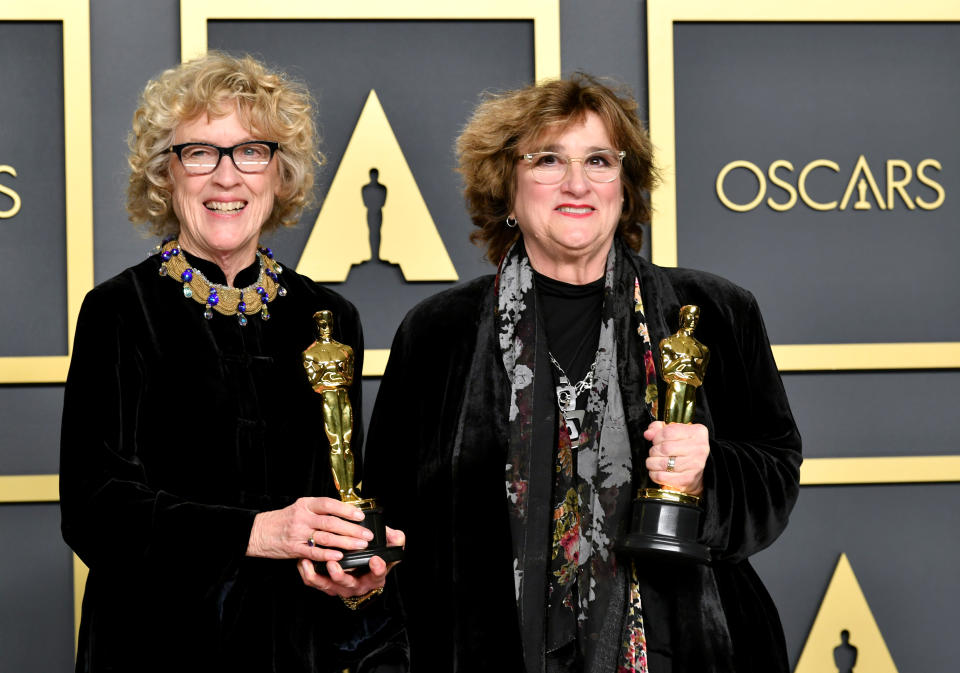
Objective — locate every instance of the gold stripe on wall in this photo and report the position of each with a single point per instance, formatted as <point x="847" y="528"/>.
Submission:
<point x="30" y="488"/>
<point x="867" y="356"/>
<point x="814" y="472"/>
<point x="880" y="470"/>
<point x="789" y="357"/>
<point x="35" y="369"/>
<point x="375" y="361"/>
<point x="545" y="15"/>
<point x="79" y="584"/>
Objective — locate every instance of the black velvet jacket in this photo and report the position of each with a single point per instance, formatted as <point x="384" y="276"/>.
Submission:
<point x="436" y="452"/>
<point x="177" y="431"/>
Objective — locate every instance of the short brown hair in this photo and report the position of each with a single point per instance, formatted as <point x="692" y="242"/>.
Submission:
<point x="217" y="84"/>
<point x="488" y="148"/>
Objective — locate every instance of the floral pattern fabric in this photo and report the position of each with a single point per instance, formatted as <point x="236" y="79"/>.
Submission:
<point x="650" y="369"/>
<point x="592" y="483"/>
<point x="634" y="649"/>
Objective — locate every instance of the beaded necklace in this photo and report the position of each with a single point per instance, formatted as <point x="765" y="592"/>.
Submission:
<point x="240" y="302"/>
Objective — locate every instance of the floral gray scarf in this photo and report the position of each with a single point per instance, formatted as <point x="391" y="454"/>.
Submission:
<point x="567" y="505"/>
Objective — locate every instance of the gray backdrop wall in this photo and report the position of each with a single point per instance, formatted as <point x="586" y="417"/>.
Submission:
<point x="759" y="92"/>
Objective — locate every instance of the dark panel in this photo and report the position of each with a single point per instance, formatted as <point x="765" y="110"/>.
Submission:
<point x="129" y="44"/>
<point x="903" y="546"/>
<point x="36" y="613"/>
<point x="849" y="414"/>
<point x="30" y="429"/>
<point x="606" y="38"/>
<point x="31" y="141"/>
<point x="427" y="75"/>
<point x="762" y="92"/>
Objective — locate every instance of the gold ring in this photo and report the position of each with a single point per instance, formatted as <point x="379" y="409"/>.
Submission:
<point x="310" y="542"/>
<point x="671" y="463"/>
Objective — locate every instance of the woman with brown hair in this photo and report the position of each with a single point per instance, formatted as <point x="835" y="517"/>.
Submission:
<point x="517" y="417"/>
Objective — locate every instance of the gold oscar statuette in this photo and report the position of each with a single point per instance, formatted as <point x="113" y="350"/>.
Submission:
<point x="329" y="366"/>
<point x="666" y="520"/>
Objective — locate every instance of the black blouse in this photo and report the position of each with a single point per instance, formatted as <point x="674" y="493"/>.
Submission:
<point x="177" y="431"/>
<point x="571" y="317"/>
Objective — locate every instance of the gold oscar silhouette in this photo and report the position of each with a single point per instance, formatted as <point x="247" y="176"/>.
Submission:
<point x="666" y="520"/>
<point x="409" y="237"/>
<point x="329" y="367"/>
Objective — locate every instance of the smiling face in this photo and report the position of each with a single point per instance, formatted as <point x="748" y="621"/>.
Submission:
<point x="568" y="227"/>
<point x="221" y="214"/>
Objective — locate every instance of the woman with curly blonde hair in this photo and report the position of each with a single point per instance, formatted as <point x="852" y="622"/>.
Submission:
<point x="195" y="481"/>
<point x="534" y="421"/>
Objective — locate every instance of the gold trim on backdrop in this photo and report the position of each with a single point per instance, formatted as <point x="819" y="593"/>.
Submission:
<point x="661" y="17"/>
<point x="77" y="129"/>
<point x="35" y="368"/>
<point x="832" y="357"/>
<point x="23" y="488"/>
<point x="545" y="15"/>
<point x="880" y="470"/>
<point x="814" y="472"/>
<point x="80" y="572"/>
<point x="375" y="361"/>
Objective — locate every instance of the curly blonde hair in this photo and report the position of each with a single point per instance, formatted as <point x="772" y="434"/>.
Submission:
<point x="218" y="84"/>
<point x="489" y="146"/>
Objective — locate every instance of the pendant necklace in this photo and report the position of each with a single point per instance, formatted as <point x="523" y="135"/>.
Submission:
<point x="567" y="393"/>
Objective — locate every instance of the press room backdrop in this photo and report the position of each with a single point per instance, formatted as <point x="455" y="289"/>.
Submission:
<point x="810" y="153"/>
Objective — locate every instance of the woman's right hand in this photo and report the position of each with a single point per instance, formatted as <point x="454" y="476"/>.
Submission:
<point x="287" y="532"/>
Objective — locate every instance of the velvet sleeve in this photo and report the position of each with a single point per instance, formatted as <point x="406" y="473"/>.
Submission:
<point x="111" y="515"/>
<point x="416" y="415"/>
<point x="751" y="479"/>
<point x="390" y="458"/>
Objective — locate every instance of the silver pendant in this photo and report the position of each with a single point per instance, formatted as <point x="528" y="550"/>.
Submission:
<point x="574" y="421"/>
<point x="566" y="396"/>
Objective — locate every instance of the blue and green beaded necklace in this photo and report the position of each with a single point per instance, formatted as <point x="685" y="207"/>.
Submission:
<point x="240" y="302"/>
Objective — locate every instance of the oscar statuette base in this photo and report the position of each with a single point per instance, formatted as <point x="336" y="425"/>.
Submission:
<point x="358" y="561"/>
<point x="665" y="523"/>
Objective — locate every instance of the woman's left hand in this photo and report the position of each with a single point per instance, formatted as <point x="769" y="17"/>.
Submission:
<point x="688" y="445"/>
<point x="344" y="584"/>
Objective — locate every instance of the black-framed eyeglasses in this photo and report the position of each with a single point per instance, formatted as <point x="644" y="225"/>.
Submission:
<point x="202" y="158"/>
<point x="550" y="168"/>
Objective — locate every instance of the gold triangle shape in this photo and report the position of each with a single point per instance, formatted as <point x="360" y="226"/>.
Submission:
<point x="341" y="238"/>
<point x="844" y="608"/>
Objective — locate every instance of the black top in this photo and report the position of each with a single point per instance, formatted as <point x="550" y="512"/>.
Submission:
<point x="571" y="317"/>
<point x="177" y="431"/>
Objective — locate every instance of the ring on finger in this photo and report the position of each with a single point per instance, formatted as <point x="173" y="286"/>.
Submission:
<point x="671" y="463"/>
<point x="310" y="542"/>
